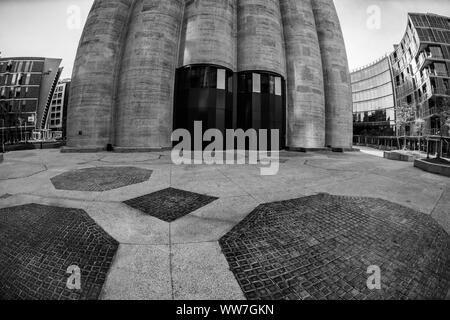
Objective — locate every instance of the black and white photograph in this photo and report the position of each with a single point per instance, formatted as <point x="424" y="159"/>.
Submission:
<point x="224" y="156"/>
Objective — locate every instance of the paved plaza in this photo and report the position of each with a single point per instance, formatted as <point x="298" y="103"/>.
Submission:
<point x="320" y="247"/>
<point x="140" y="227"/>
<point x="39" y="243"/>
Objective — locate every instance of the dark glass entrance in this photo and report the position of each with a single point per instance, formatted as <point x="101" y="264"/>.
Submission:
<point x="204" y="93"/>
<point x="224" y="100"/>
<point x="261" y="102"/>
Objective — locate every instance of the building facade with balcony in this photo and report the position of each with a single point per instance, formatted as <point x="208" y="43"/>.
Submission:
<point x="27" y="85"/>
<point x="419" y="72"/>
<point x="57" y="117"/>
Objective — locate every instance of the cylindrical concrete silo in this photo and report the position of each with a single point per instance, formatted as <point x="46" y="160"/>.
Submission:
<point x="96" y="65"/>
<point x="260" y="36"/>
<point x="209" y="33"/>
<point x="305" y="88"/>
<point x="338" y="96"/>
<point x="146" y="86"/>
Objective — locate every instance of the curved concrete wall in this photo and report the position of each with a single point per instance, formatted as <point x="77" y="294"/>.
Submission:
<point x="305" y="88"/>
<point x="147" y="76"/>
<point x="93" y="85"/>
<point x="338" y="94"/>
<point x="209" y="33"/>
<point x="124" y="73"/>
<point x="260" y="36"/>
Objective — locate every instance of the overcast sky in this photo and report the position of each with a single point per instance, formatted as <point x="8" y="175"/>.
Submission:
<point x="50" y="28"/>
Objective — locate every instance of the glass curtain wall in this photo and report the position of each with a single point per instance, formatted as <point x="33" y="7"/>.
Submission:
<point x="224" y="100"/>
<point x="261" y="102"/>
<point x="203" y="93"/>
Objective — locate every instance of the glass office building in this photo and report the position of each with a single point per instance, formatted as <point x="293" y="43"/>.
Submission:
<point x="421" y="64"/>
<point x="26" y="89"/>
<point x="57" y="118"/>
<point x="415" y="75"/>
<point x="373" y="100"/>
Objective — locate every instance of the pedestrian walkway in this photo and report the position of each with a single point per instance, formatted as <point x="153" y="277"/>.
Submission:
<point x="179" y="256"/>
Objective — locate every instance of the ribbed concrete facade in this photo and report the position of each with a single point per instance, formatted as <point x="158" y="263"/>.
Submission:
<point x="305" y="88"/>
<point x="260" y="36"/>
<point x="145" y="93"/>
<point x="338" y="96"/>
<point x="91" y="101"/>
<point x="124" y="74"/>
<point x="209" y="33"/>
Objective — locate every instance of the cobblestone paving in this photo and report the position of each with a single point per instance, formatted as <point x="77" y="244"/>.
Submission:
<point x="170" y="204"/>
<point x="100" y="178"/>
<point x="39" y="243"/>
<point x="320" y="247"/>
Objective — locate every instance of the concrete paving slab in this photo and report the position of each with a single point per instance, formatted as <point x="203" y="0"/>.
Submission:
<point x="240" y="189"/>
<point x="200" y="272"/>
<point x="139" y="273"/>
<point x="128" y="225"/>
<point x="232" y="209"/>
<point x="192" y="229"/>
<point x="9" y="170"/>
<point x="442" y="210"/>
<point x="420" y="197"/>
<point x="222" y="187"/>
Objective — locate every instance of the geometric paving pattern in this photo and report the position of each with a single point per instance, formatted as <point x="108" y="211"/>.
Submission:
<point x="320" y="247"/>
<point x="100" y="178"/>
<point x="39" y="243"/>
<point x="170" y="204"/>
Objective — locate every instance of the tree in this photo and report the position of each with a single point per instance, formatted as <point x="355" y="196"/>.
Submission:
<point x="404" y="115"/>
<point x="443" y="114"/>
<point x="3" y="113"/>
<point x="420" y="128"/>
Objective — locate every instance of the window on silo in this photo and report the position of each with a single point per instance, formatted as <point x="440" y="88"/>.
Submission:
<point x="221" y="78"/>
<point x="278" y="87"/>
<point x="272" y="84"/>
<point x="256" y="77"/>
<point x="265" y="83"/>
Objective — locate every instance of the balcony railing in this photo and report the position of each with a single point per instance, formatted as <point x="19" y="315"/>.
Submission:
<point x="405" y="88"/>
<point x="426" y="58"/>
<point x="428" y="112"/>
<point x="436" y="132"/>
<point x="431" y="132"/>
<point x="422" y="59"/>
<point x="423" y="98"/>
<point x="441" y="91"/>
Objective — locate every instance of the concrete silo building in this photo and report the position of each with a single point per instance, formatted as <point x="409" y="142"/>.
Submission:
<point x="147" y="67"/>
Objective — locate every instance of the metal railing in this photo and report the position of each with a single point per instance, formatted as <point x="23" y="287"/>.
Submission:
<point x="424" y="56"/>
<point x="441" y="91"/>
